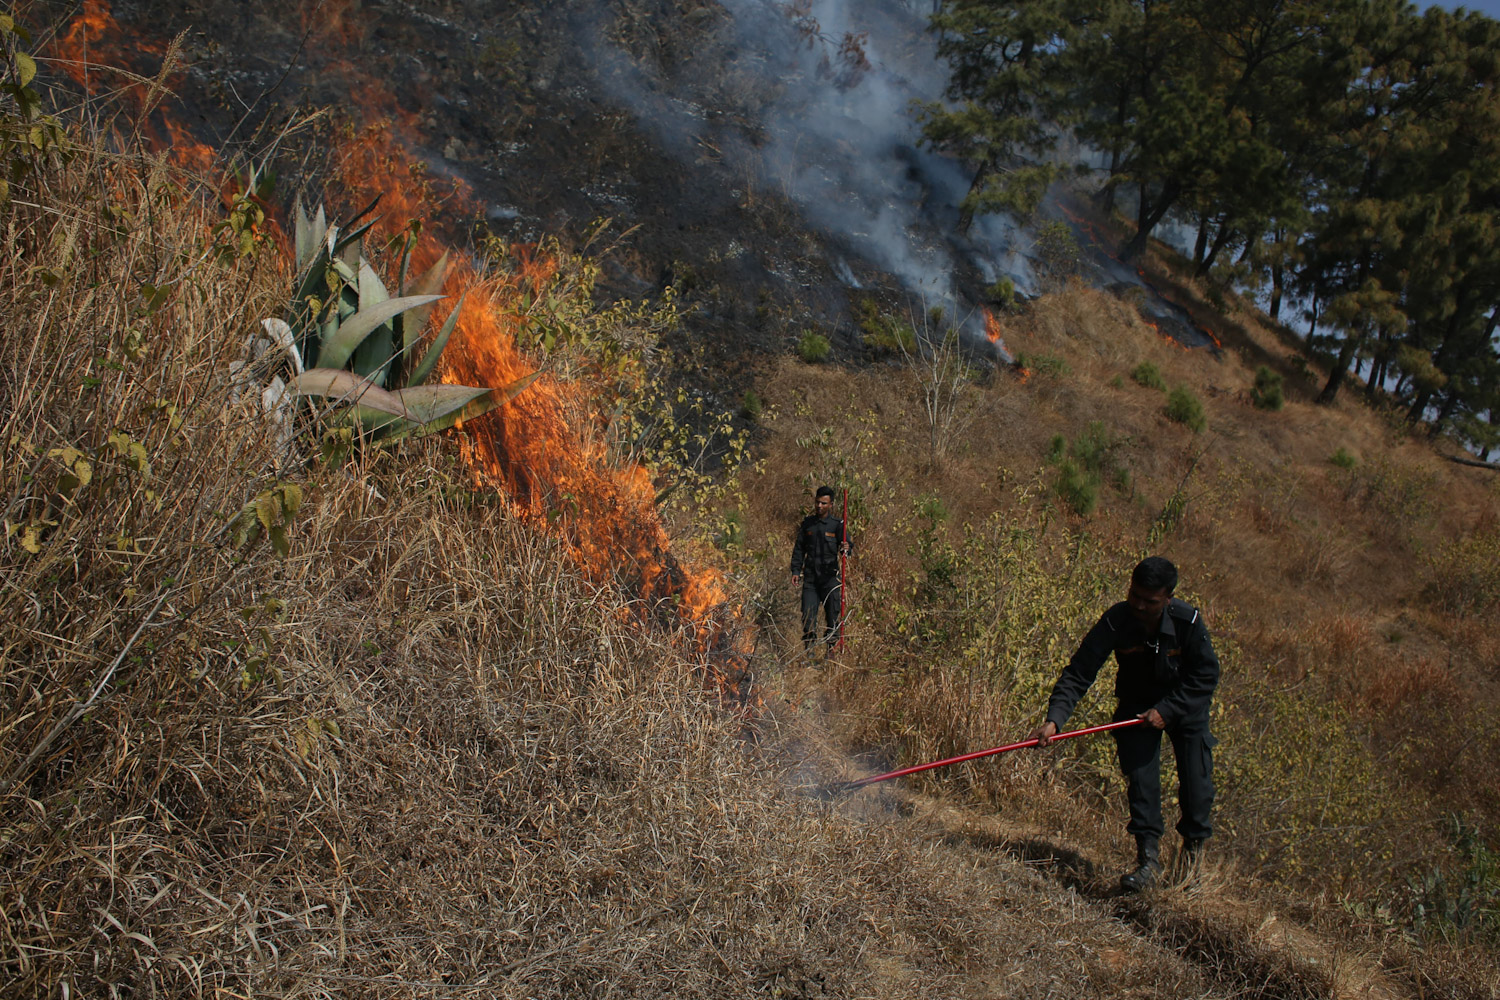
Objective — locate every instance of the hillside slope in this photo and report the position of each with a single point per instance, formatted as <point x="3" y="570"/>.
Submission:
<point x="432" y="751"/>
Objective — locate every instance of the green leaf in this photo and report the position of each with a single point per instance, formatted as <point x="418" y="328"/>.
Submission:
<point x="430" y="283"/>
<point x="479" y="406"/>
<point x="338" y="348"/>
<point x="291" y="499"/>
<point x="25" y="68"/>
<point x="344" y="386"/>
<point x="430" y="359"/>
<point x="427" y="403"/>
<point x="279" y="540"/>
<point x="265" y="510"/>
<point x="371" y="289"/>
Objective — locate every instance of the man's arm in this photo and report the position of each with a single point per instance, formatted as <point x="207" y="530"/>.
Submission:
<point x="797" y="555"/>
<point x="1197" y="677"/>
<point x="1078" y="676"/>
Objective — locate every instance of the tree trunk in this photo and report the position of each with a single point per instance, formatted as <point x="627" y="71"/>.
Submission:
<point x="1278" y="287"/>
<point x="1340" y="372"/>
<point x="1148" y="216"/>
<point x="1201" y="246"/>
<point x="1444" y="412"/>
<point x="1221" y="239"/>
<point x="966" y="207"/>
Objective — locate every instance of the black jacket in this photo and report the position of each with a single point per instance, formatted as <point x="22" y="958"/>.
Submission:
<point x="816" y="551"/>
<point x="1174" y="672"/>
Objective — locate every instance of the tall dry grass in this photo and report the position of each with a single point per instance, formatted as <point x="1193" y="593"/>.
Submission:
<point x="1357" y="705"/>
<point x="418" y="757"/>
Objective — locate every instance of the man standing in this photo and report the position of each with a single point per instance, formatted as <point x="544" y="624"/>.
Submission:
<point x="815" y="569"/>
<point x="1167" y="672"/>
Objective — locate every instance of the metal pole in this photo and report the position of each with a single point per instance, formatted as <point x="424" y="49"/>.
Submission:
<point x="849" y="786"/>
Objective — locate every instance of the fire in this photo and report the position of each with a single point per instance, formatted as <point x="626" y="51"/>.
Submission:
<point x="991" y="327"/>
<point x="541" y="451"/>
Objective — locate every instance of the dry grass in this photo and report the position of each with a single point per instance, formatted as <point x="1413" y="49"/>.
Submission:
<point x="420" y="756"/>
<point x="1355" y="709"/>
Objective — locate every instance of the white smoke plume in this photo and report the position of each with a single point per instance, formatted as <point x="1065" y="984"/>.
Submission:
<point x="814" y="101"/>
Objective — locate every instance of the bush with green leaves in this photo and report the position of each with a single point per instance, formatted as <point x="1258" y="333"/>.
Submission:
<point x="813" y="347"/>
<point x="1048" y="365"/>
<point x="28" y="138"/>
<point x="1082" y="466"/>
<point x="1343" y="459"/>
<point x="1185" y="408"/>
<point x="885" y="333"/>
<point x="354" y="344"/>
<point x="1267" y="393"/>
<point x="1148" y="375"/>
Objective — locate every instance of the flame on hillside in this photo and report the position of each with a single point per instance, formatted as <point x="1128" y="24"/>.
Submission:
<point x="93" y="51"/>
<point x="538" y="450"/>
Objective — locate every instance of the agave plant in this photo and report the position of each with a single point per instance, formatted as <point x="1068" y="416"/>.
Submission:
<point x="352" y="343"/>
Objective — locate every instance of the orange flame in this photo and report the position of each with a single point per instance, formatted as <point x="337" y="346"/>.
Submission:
<point x="991" y="327"/>
<point x="540" y="449"/>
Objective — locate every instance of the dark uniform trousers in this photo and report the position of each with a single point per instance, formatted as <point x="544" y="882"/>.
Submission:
<point x="1139" y="748"/>
<point x="822" y="590"/>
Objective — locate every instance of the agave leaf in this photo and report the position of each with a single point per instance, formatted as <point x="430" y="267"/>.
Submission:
<point x="281" y="335"/>
<point x="371" y="288"/>
<point x="341" y="247"/>
<point x="303" y="241"/>
<point x="426" y="403"/>
<point x="366" y="211"/>
<point x="430" y="283"/>
<point x="341" y="385"/>
<point x="477" y="407"/>
<point x="430" y="359"/>
<point x="352" y="332"/>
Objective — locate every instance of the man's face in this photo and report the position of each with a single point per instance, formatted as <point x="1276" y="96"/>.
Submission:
<point x="1147" y="605"/>
<point x="824" y="505"/>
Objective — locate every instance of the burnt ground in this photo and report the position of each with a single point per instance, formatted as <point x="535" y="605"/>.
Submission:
<point x="517" y="99"/>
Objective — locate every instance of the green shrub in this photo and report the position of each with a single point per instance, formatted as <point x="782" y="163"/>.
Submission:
<point x="1058" y="249"/>
<point x="1083" y="465"/>
<point x="1043" y="364"/>
<point x="1077" y="487"/>
<point x="1118" y="382"/>
<point x="752" y="406"/>
<point x="1343" y="459"/>
<point x="883" y="331"/>
<point x="1002" y="293"/>
<point x="813" y="347"/>
<point x="1266" y="394"/>
<point x="1184" y="408"/>
<point x="1148" y="375"/>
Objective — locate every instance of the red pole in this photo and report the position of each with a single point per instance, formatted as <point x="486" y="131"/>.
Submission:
<point x="838" y="647"/>
<point x="849" y="786"/>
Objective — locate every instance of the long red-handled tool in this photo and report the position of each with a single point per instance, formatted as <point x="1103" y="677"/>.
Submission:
<point x="838" y="646"/>
<point x="849" y="786"/>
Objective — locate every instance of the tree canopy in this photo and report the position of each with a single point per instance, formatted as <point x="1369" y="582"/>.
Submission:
<point x="1343" y="152"/>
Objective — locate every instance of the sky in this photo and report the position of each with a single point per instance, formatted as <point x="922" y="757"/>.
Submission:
<point x="1487" y="7"/>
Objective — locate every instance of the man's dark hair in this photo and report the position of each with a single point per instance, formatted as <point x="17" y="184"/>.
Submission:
<point x="824" y="491"/>
<point x="1155" y="573"/>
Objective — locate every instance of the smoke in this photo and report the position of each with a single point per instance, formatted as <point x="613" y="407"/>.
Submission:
<point x="815" y="102"/>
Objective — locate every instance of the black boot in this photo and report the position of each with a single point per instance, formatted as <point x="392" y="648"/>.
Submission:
<point x="1192" y="852"/>
<point x="1147" y="866"/>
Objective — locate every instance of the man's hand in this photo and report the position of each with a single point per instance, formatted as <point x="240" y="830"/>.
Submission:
<point x="1153" y="718"/>
<point x="1043" y="734"/>
<point x="796" y="580"/>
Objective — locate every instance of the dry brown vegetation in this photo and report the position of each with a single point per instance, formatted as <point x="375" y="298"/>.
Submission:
<point x="1358" y="708"/>
<point x="422" y="757"/>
